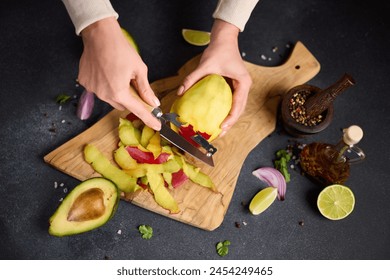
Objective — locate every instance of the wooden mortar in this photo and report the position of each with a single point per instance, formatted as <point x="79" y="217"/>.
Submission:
<point x="317" y="102"/>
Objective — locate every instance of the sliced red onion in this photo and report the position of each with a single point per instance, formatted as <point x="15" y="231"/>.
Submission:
<point x="85" y="105"/>
<point x="273" y="178"/>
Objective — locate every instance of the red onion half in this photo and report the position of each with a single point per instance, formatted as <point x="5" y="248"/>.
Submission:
<point x="273" y="178"/>
<point x="85" y="105"/>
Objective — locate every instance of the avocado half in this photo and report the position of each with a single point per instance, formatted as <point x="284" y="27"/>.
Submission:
<point x="88" y="206"/>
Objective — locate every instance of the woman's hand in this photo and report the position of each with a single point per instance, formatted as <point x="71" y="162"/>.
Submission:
<point x="223" y="57"/>
<point x="109" y="64"/>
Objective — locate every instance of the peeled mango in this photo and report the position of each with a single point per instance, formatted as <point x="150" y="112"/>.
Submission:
<point x="204" y="107"/>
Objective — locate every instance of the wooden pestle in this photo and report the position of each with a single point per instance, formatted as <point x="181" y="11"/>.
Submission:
<point x="319" y="102"/>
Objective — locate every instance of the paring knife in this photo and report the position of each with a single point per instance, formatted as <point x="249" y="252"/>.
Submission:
<point x="170" y="135"/>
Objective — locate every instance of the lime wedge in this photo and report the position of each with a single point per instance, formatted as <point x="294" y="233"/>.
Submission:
<point x="262" y="200"/>
<point x="130" y="39"/>
<point x="196" y="37"/>
<point x="336" y="202"/>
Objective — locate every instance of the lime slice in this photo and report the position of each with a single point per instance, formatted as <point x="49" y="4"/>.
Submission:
<point x="336" y="202"/>
<point x="130" y="39"/>
<point x="262" y="200"/>
<point x="196" y="37"/>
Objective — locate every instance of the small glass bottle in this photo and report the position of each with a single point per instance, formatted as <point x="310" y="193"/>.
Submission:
<point x="330" y="164"/>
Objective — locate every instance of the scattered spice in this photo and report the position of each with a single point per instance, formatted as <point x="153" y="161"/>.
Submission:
<point x="237" y="224"/>
<point x="53" y="128"/>
<point x="298" y="111"/>
<point x="301" y="223"/>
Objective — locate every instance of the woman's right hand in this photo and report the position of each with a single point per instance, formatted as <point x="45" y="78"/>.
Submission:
<point x="109" y="65"/>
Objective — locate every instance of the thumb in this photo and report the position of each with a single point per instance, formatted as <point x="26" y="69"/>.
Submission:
<point x="190" y="80"/>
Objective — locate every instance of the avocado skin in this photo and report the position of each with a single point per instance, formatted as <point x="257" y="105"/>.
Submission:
<point x="59" y="225"/>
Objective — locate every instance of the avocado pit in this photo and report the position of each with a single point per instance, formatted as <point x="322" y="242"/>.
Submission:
<point x="89" y="205"/>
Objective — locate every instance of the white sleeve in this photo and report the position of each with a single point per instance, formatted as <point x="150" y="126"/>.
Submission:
<point x="236" y="12"/>
<point x="85" y="12"/>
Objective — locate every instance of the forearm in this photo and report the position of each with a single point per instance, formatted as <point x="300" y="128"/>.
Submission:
<point x="85" y="12"/>
<point x="235" y="12"/>
<point x="224" y="32"/>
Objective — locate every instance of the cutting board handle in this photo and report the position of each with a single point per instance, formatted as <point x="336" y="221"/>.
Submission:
<point x="300" y="67"/>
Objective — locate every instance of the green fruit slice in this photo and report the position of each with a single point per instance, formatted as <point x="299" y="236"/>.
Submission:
<point x="336" y="202"/>
<point x="262" y="200"/>
<point x="196" y="37"/>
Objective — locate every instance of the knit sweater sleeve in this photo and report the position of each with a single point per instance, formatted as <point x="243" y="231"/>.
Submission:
<point x="85" y="12"/>
<point x="236" y="12"/>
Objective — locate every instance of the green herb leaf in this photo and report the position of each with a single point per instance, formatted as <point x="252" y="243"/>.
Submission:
<point x="146" y="231"/>
<point x="226" y="243"/>
<point x="223" y="248"/>
<point x="62" y="98"/>
<point x="281" y="163"/>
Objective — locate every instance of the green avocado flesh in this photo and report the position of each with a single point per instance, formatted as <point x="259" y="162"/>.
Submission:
<point x="88" y="206"/>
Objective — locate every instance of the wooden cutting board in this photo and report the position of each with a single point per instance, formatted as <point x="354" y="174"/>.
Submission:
<point x="199" y="206"/>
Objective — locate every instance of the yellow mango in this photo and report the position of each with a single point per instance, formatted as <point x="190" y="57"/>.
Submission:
<point x="102" y="165"/>
<point x="123" y="159"/>
<point x="154" y="145"/>
<point x="146" y="135"/>
<point x="205" y="105"/>
<point x="141" y="169"/>
<point x="128" y="134"/>
<point x="161" y="193"/>
<point x="198" y="177"/>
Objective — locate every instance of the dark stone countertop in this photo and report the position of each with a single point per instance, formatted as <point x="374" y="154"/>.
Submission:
<point x="39" y="55"/>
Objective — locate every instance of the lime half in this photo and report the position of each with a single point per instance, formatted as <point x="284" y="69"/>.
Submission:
<point x="336" y="202"/>
<point x="196" y="37"/>
<point x="130" y="39"/>
<point x="262" y="200"/>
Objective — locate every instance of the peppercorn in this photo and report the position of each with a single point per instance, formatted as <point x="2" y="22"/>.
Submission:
<point x="298" y="110"/>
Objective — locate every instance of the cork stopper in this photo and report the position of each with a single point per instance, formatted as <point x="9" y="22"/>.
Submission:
<point x="352" y="135"/>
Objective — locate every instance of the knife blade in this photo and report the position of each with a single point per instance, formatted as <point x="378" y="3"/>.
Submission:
<point x="167" y="133"/>
<point x="177" y="140"/>
<point x="170" y="135"/>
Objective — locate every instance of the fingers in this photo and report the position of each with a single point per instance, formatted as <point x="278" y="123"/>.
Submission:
<point x="144" y="90"/>
<point x="190" y="80"/>
<point x="240" y="96"/>
<point x="138" y="107"/>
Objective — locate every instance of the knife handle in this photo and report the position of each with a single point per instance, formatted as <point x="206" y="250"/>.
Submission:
<point x="135" y="95"/>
